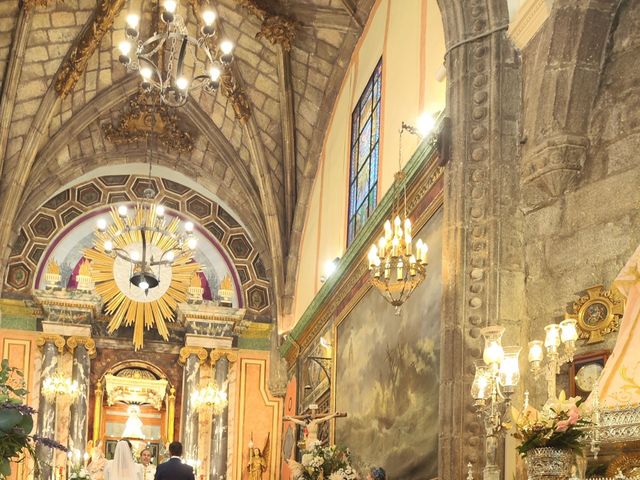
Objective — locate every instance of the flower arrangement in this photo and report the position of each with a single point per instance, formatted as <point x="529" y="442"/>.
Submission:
<point x="561" y="425"/>
<point x="16" y="423"/>
<point x="79" y="472"/>
<point x="324" y="463"/>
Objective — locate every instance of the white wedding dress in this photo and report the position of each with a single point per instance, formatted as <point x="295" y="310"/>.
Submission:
<point x="122" y="467"/>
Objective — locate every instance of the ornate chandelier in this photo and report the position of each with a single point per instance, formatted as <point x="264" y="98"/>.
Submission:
<point x="210" y="399"/>
<point x="57" y="385"/>
<point x="396" y="268"/>
<point x="142" y="265"/>
<point x="168" y="59"/>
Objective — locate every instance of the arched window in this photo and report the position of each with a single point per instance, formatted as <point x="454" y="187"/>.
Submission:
<point x="365" y="153"/>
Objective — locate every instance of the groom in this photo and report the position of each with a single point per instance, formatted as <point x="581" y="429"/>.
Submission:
<point x="174" y="469"/>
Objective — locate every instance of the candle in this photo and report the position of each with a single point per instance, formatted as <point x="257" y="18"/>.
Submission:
<point x="407" y="227"/>
<point x="394" y="246"/>
<point x="412" y="265"/>
<point x="423" y="254"/>
<point x="86" y="458"/>
<point x="407" y="243"/>
<point x="382" y="247"/>
<point x="398" y="226"/>
<point x="387" y="230"/>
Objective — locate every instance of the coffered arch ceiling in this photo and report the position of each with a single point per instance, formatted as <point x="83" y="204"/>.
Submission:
<point x="61" y="80"/>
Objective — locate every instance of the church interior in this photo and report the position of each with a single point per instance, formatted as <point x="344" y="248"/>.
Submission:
<point x="320" y="239"/>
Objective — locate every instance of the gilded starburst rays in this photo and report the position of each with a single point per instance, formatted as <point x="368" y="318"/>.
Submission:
<point x="126" y="304"/>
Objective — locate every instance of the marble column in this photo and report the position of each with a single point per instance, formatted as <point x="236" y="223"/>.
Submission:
<point x="219" y="436"/>
<point x="83" y="348"/>
<point x="190" y="357"/>
<point x="51" y="345"/>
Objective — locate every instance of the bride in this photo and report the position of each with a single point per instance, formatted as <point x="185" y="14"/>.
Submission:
<point x="122" y="467"/>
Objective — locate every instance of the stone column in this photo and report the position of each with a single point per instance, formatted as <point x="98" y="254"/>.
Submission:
<point x="190" y="357"/>
<point x="483" y="279"/>
<point x="219" y="430"/>
<point x="51" y="345"/>
<point x="83" y="349"/>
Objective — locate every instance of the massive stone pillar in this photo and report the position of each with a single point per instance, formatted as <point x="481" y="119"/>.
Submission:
<point x="190" y="358"/>
<point x="483" y="280"/>
<point x="83" y="349"/>
<point x="52" y="345"/>
<point x="219" y="431"/>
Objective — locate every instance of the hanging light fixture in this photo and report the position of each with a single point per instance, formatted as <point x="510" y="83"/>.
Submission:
<point x="164" y="59"/>
<point x="57" y="385"/>
<point x="396" y="266"/>
<point x="210" y="399"/>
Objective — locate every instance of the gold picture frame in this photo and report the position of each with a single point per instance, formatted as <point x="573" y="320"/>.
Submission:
<point x="597" y="313"/>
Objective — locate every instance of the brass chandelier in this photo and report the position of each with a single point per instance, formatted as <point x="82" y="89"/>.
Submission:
<point x="168" y="59"/>
<point x="396" y="267"/>
<point x="210" y="399"/>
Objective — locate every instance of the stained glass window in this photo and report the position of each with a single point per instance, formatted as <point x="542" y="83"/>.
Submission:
<point x="365" y="152"/>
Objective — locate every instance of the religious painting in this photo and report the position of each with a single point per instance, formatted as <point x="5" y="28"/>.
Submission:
<point x="387" y="375"/>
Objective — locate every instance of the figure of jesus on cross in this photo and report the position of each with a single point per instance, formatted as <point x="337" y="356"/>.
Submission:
<point x="311" y="423"/>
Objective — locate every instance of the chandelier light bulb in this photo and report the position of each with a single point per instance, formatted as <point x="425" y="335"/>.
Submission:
<point x="188" y="227"/>
<point x="160" y="211"/>
<point x="552" y="338"/>
<point x="214" y="73"/>
<point x="145" y="73"/>
<point x="493" y="351"/>
<point x="568" y="331"/>
<point x="125" y="47"/>
<point x="182" y="83"/>
<point x="135" y="256"/>
<point x="536" y="352"/>
<point x="101" y="224"/>
<point x="133" y="21"/>
<point x="108" y="246"/>
<point x="192" y="243"/>
<point x="170" y="256"/>
<point x="226" y="47"/>
<point x="170" y="6"/>
<point x="209" y="16"/>
<point x="509" y="374"/>
<point x="143" y="285"/>
<point x="122" y="211"/>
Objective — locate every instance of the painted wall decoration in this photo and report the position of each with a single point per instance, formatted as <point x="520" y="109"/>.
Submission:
<point x="386" y="378"/>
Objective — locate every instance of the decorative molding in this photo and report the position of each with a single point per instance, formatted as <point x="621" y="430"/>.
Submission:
<point x="31" y="4"/>
<point x="597" y="313"/>
<point x="186" y="352"/>
<point x="88" y="343"/>
<point x="147" y="117"/>
<point x="44" y="338"/>
<point x="89" y="40"/>
<point x="528" y="21"/>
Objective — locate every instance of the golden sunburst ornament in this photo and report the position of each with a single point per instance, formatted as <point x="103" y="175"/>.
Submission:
<point x="142" y="266"/>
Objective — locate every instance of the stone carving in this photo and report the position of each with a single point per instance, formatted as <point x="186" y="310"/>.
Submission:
<point x="73" y="67"/>
<point x="557" y="163"/>
<point x="278" y="29"/>
<point x="146" y="118"/>
<point x="186" y="352"/>
<point x="88" y="343"/>
<point x="58" y="341"/>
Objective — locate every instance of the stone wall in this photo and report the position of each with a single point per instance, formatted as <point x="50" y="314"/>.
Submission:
<point x="584" y="236"/>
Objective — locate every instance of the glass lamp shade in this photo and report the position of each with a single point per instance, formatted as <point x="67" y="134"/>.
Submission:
<point x="552" y="338"/>
<point x="481" y="386"/>
<point x="568" y="330"/>
<point x="536" y="352"/>
<point x="509" y="374"/>
<point x="493" y="351"/>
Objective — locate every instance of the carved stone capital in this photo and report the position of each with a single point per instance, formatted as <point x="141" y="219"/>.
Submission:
<point x="219" y="353"/>
<point x="88" y="343"/>
<point x="556" y="164"/>
<point x="186" y="352"/>
<point x="57" y="340"/>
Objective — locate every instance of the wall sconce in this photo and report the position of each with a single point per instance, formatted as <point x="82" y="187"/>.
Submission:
<point x="330" y="268"/>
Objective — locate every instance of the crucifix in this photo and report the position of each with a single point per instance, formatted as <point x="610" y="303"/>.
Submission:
<point x="311" y="422"/>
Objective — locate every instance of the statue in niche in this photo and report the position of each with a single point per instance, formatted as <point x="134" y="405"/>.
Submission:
<point x="311" y="422"/>
<point x="258" y="460"/>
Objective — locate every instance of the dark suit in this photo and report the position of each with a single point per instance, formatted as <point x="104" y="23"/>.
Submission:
<point x="174" y="469"/>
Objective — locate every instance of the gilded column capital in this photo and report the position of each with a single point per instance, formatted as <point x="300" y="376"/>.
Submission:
<point x="88" y="343"/>
<point x="186" y="352"/>
<point x="58" y="340"/>
<point x="218" y="353"/>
